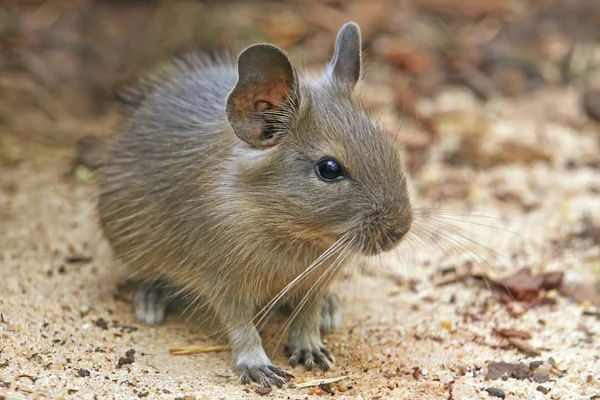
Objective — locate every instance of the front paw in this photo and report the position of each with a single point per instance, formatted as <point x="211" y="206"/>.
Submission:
<point x="265" y="375"/>
<point x="311" y="357"/>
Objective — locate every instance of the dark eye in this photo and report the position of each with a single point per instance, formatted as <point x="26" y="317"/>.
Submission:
<point x="329" y="170"/>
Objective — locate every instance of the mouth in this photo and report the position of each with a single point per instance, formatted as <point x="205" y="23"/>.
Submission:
<point x="381" y="246"/>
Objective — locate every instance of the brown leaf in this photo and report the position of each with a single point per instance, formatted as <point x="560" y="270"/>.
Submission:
<point x="523" y="286"/>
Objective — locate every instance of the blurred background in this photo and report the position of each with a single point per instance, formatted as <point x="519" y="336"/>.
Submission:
<point x="61" y="62"/>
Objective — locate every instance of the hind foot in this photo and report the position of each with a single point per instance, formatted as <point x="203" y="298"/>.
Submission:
<point x="151" y="302"/>
<point x="331" y="314"/>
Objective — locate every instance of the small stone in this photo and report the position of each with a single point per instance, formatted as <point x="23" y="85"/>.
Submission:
<point x="497" y="370"/>
<point x="83" y="372"/>
<point x="495" y="392"/>
<point x="128" y="359"/>
<point x="540" y="377"/>
<point x="542" y="389"/>
<point x="535" y="364"/>
<point x="101" y="323"/>
<point x="263" y="391"/>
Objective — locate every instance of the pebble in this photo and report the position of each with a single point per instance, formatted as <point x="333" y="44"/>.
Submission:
<point x="495" y="392"/>
<point x="542" y="389"/>
<point x="263" y="391"/>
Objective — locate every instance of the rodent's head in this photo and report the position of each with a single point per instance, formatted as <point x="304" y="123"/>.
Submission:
<point x="311" y="161"/>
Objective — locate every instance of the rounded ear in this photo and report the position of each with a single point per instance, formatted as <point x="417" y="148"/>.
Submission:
<point x="345" y="67"/>
<point x="264" y="97"/>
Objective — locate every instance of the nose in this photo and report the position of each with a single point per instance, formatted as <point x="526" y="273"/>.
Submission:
<point x="402" y="224"/>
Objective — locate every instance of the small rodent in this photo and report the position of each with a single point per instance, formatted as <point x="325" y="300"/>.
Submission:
<point x="241" y="181"/>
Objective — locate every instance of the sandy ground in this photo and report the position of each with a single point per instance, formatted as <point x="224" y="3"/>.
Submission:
<point x="405" y="336"/>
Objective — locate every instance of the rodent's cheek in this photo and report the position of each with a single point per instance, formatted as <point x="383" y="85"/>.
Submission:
<point x="317" y="236"/>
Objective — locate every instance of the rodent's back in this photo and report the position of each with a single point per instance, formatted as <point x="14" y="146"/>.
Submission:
<point x="171" y="147"/>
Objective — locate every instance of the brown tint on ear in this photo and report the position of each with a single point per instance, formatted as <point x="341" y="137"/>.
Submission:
<point x="267" y="83"/>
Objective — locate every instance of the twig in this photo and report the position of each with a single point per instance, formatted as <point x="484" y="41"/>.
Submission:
<point x="181" y="351"/>
<point x="317" y="382"/>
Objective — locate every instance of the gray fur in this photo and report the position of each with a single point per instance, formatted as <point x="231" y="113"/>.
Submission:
<point x="150" y="302"/>
<point x="331" y="315"/>
<point x="183" y="199"/>
<point x="345" y="66"/>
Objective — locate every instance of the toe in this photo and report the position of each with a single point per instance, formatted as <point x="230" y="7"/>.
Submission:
<point x="266" y="376"/>
<point x="309" y="361"/>
<point x="272" y="377"/>
<point x="297" y="358"/>
<point x="245" y="378"/>
<point x="259" y="377"/>
<point x="322" y="361"/>
<point x="327" y="354"/>
<point x="281" y="372"/>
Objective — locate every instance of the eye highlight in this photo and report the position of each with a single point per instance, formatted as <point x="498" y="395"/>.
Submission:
<point x="329" y="170"/>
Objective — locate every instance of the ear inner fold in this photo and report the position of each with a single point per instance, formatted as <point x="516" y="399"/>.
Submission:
<point x="267" y="82"/>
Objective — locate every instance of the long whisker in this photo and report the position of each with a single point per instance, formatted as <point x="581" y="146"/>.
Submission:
<point x="330" y="272"/>
<point x="269" y="306"/>
<point x="490" y="250"/>
<point x="490" y="226"/>
<point x="415" y="232"/>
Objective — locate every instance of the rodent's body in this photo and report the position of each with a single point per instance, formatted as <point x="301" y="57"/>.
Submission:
<point x="163" y="222"/>
<point x="247" y="185"/>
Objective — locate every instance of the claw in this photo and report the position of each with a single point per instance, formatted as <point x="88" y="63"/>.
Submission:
<point x="321" y="358"/>
<point x="264" y="375"/>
